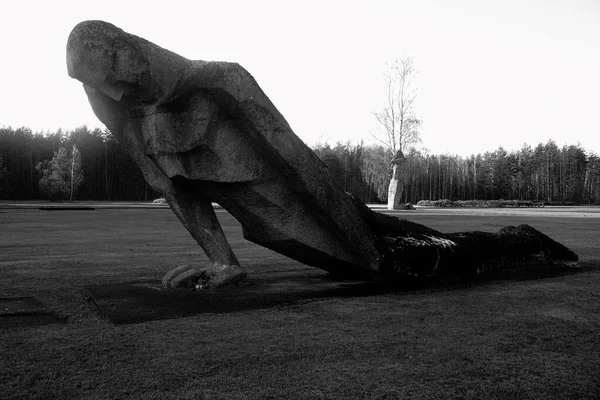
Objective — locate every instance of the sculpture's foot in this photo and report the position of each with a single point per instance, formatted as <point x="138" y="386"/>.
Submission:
<point x="543" y="248"/>
<point x="203" y="277"/>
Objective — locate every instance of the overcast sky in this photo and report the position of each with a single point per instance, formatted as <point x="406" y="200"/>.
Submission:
<point x="490" y="73"/>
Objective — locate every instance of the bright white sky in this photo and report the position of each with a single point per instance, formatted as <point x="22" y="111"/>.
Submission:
<point x="490" y="73"/>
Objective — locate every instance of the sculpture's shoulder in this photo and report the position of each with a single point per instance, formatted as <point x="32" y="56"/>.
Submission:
<point x="229" y="81"/>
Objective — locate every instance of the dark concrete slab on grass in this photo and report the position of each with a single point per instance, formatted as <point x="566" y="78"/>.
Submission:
<point x="25" y="311"/>
<point x="136" y="302"/>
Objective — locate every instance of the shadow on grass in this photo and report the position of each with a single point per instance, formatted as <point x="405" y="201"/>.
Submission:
<point x="18" y="312"/>
<point x="137" y="302"/>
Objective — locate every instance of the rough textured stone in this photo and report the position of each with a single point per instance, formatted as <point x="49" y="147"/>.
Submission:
<point x="205" y="132"/>
<point x="210" y="276"/>
<point x="180" y="276"/>
<point x="186" y="279"/>
<point x="227" y="275"/>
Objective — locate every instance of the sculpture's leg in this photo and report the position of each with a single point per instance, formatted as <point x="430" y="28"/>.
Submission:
<point x="412" y="249"/>
<point x="198" y="216"/>
<point x="469" y="254"/>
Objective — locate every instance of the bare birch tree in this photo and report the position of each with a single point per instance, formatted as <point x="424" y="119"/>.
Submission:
<point x="398" y="122"/>
<point x="76" y="172"/>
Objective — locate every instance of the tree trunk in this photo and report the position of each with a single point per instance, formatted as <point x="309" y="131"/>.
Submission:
<point x="72" y="173"/>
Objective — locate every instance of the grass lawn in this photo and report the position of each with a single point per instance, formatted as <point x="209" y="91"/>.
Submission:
<point x="507" y="339"/>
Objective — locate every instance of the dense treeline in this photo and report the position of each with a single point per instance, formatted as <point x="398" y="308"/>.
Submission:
<point x="109" y="173"/>
<point x="547" y="172"/>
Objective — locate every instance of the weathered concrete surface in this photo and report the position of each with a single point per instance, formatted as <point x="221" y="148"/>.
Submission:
<point x="211" y="276"/>
<point x="205" y="132"/>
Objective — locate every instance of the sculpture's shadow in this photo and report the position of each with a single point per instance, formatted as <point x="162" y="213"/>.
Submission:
<point x="143" y="301"/>
<point x="135" y="302"/>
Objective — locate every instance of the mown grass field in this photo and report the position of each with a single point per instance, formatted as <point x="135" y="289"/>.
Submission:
<point x="507" y="339"/>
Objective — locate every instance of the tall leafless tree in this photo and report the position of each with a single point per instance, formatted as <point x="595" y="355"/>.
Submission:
<point x="398" y="124"/>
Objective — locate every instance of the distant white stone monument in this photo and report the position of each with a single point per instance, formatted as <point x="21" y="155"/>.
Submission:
<point x="396" y="188"/>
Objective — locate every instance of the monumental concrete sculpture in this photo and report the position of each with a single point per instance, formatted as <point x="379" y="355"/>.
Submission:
<point x="205" y="132"/>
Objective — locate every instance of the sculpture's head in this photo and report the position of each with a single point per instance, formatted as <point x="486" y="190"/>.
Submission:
<point x="118" y="64"/>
